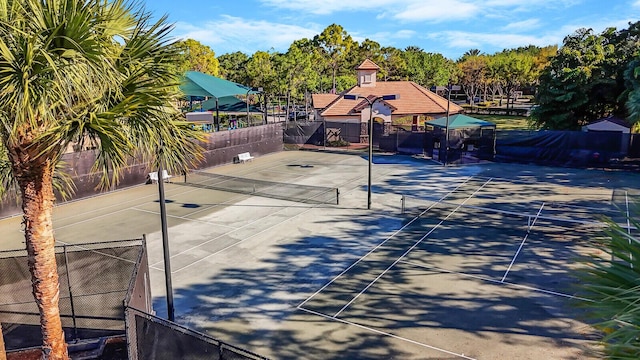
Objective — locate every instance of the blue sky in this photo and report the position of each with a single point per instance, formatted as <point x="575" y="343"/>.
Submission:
<point x="448" y="27"/>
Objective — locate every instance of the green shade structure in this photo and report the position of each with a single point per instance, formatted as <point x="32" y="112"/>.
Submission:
<point x="197" y="84"/>
<point x="229" y="104"/>
<point x="459" y="121"/>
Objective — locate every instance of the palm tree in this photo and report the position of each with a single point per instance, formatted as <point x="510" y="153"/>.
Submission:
<point x="75" y="71"/>
<point x="611" y="283"/>
<point x="3" y="354"/>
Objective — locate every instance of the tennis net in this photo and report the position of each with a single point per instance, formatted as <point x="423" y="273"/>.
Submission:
<point x="276" y="190"/>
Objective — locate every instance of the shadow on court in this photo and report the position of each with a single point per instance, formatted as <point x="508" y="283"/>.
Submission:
<point x="442" y="288"/>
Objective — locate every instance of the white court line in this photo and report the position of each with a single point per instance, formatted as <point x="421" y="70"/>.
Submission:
<point x="231" y="245"/>
<point x="134" y="207"/>
<point x="409" y="250"/>
<point x="253" y="235"/>
<point x="227" y="233"/>
<point x="522" y="243"/>
<point x="462" y="356"/>
<point x="380" y="244"/>
<point x="499" y="282"/>
<point x="135" y="200"/>
<point x="183" y="218"/>
<point x="237" y="229"/>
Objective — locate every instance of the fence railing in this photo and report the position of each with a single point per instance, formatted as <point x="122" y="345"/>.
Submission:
<point x="94" y="279"/>
<point x="153" y="336"/>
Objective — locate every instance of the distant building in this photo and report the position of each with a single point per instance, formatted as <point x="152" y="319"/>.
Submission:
<point x="414" y="101"/>
<point x="610" y="123"/>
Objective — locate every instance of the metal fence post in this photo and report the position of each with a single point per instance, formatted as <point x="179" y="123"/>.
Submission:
<point x="73" y="311"/>
<point x="402" y="201"/>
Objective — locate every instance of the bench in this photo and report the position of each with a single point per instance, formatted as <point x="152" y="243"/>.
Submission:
<point x="153" y="176"/>
<point x="244" y="157"/>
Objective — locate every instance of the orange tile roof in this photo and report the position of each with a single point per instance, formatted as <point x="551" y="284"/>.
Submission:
<point x="368" y="65"/>
<point x="321" y="101"/>
<point x="414" y="100"/>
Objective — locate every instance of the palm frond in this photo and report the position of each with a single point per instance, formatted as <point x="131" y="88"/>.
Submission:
<point x="99" y="71"/>
<point x="612" y="283"/>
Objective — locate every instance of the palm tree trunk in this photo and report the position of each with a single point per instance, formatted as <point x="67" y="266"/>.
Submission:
<point x="3" y="352"/>
<point x="36" y="184"/>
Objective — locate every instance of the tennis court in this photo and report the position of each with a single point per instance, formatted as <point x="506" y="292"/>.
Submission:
<point x="450" y="263"/>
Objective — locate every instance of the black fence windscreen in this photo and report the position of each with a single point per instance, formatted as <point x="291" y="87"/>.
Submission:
<point x="94" y="280"/>
<point x="322" y="133"/>
<point x="400" y="140"/>
<point x="563" y="148"/>
<point x="310" y="133"/>
<point x="465" y="145"/>
<point x="158" y="339"/>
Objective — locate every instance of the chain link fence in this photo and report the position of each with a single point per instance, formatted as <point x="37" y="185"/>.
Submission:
<point x="94" y="282"/>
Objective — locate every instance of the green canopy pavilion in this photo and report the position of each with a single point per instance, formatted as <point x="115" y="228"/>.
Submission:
<point x="467" y="137"/>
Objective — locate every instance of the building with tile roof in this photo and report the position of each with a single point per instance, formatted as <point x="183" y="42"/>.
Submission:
<point x="414" y="101"/>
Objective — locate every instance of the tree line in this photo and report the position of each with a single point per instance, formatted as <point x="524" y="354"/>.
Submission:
<point x="589" y="76"/>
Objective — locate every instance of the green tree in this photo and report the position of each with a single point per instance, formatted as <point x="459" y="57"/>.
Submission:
<point x="427" y="69"/>
<point x="368" y="49"/>
<point x="587" y="78"/>
<point x="261" y="72"/>
<point x="232" y="67"/>
<point x="632" y="76"/>
<point x="413" y="58"/>
<point x="197" y="57"/>
<point x="73" y="70"/>
<point x="472" y="75"/>
<point x="513" y="70"/>
<point x="393" y="66"/>
<point x="470" y="53"/>
<point x="335" y="44"/>
<point x="296" y="71"/>
<point x="567" y="86"/>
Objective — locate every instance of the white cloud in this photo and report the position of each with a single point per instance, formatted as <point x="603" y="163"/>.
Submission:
<point x="385" y="38"/>
<point x="524" y="25"/>
<point x="230" y="34"/>
<point x="331" y="6"/>
<point x="467" y="40"/>
<point x="437" y="10"/>
<point x="404" y="34"/>
<point x="418" y="10"/>
<point x="636" y="3"/>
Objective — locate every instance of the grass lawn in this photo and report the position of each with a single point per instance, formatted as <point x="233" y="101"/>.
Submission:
<point x="506" y="122"/>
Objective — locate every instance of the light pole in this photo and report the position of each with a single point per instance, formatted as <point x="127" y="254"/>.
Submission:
<point x="446" y="135"/>
<point x="165" y="237"/>
<point x="370" y="100"/>
<point x="249" y="90"/>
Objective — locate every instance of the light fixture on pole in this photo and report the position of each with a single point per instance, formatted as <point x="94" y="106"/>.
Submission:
<point x="371" y="100"/>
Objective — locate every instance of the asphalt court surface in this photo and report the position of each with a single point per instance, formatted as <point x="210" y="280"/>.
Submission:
<point x="291" y="280"/>
<point x="525" y="250"/>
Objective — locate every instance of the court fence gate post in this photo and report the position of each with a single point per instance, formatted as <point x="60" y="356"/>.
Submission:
<point x="73" y="311"/>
